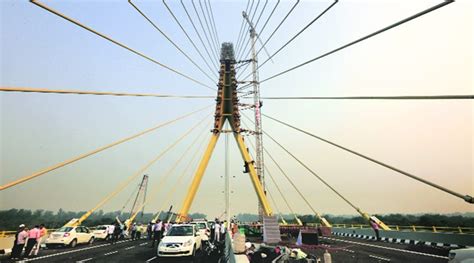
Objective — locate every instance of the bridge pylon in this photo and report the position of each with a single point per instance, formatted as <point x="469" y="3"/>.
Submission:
<point x="226" y="110"/>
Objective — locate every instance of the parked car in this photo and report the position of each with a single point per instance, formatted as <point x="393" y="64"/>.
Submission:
<point x="101" y="232"/>
<point x="463" y="255"/>
<point x="203" y="228"/>
<point x="70" y="236"/>
<point x="181" y="240"/>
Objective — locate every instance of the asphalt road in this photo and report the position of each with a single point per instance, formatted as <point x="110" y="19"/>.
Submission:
<point x="342" y="249"/>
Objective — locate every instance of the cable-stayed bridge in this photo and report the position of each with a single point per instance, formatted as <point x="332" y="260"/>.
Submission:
<point x="231" y="70"/>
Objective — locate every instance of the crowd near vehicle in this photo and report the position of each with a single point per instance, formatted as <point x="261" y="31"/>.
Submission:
<point x="70" y="236"/>
<point x="101" y="232"/>
<point x="181" y="240"/>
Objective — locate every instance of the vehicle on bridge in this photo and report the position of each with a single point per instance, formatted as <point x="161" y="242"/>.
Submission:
<point x="101" y="232"/>
<point x="203" y="228"/>
<point x="181" y="240"/>
<point x="70" y="236"/>
<point x="463" y="255"/>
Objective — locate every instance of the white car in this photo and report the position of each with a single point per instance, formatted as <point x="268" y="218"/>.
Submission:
<point x="203" y="228"/>
<point x="70" y="236"/>
<point x="101" y="232"/>
<point x="463" y="255"/>
<point x="181" y="240"/>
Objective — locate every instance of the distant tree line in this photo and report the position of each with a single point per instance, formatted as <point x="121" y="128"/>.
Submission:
<point x="449" y="220"/>
<point x="12" y="218"/>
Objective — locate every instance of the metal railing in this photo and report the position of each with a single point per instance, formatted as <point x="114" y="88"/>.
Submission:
<point x="415" y="228"/>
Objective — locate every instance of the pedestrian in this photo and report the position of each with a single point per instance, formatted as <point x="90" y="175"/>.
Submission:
<point x="33" y="238"/>
<point x="134" y="231"/>
<point x="157" y="232"/>
<point x="110" y="232"/>
<point x="223" y="230"/>
<point x="117" y="232"/>
<point x="213" y="230"/>
<point x="167" y="227"/>
<point x="43" y="234"/>
<point x="139" y="231"/>
<point x="375" y="227"/>
<point x="217" y="231"/>
<point x="20" y="240"/>
<point x="149" y="230"/>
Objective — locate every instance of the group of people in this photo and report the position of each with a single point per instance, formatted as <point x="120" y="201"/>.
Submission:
<point x="155" y="231"/>
<point x="29" y="239"/>
<point x="114" y="232"/>
<point x="218" y="230"/>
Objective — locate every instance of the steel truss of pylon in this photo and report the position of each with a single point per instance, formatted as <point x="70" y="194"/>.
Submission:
<point x="227" y="109"/>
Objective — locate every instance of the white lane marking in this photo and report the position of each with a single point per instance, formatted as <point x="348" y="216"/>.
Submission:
<point x="129" y="247"/>
<point x="348" y="250"/>
<point x="84" y="260"/>
<point x="151" y="259"/>
<point x="379" y="258"/>
<point x="110" y="253"/>
<point x="388" y="248"/>
<point x="65" y="252"/>
<point x="142" y="244"/>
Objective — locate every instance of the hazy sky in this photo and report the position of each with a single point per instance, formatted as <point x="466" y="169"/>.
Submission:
<point x="430" y="55"/>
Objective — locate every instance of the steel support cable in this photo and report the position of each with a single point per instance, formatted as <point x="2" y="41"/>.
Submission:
<point x="180" y="178"/>
<point x="214" y="22"/>
<point x="244" y="38"/>
<point x="422" y="97"/>
<point x="275" y="204"/>
<point x="101" y="93"/>
<point x="244" y="47"/>
<point x="169" y="40"/>
<point x="255" y="26"/>
<point x="466" y="198"/>
<point x="281" y="192"/>
<point x="209" y="29"/>
<point x="309" y="169"/>
<point x="295" y="36"/>
<point x="237" y="48"/>
<point x="273" y="180"/>
<point x="291" y="182"/>
<point x="242" y="25"/>
<point x="211" y="25"/>
<point x="118" y="43"/>
<point x="191" y="41"/>
<point x="211" y="47"/>
<point x="446" y="2"/>
<point x="125" y="183"/>
<point x="262" y="29"/>
<point x="199" y="36"/>
<point x="163" y="179"/>
<point x="129" y="199"/>
<point x="273" y="33"/>
<point x="82" y="156"/>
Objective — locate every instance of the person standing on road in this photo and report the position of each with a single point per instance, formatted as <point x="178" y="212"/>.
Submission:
<point x="110" y="232"/>
<point x="20" y="240"/>
<point x="375" y="227"/>
<point x="149" y="230"/>
<point x="217" y="231"/>
<point x="43" y="233"/>
<point x="33" y="238"/>
<point x="223" y="230"/>
<point x="134" y="231"/>
<point x="116" y="233"/>
<point x="157" y="232"/>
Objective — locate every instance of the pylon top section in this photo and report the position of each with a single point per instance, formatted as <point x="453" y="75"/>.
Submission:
<point x="227" y="101"/>
<point x="227" y="53"/>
